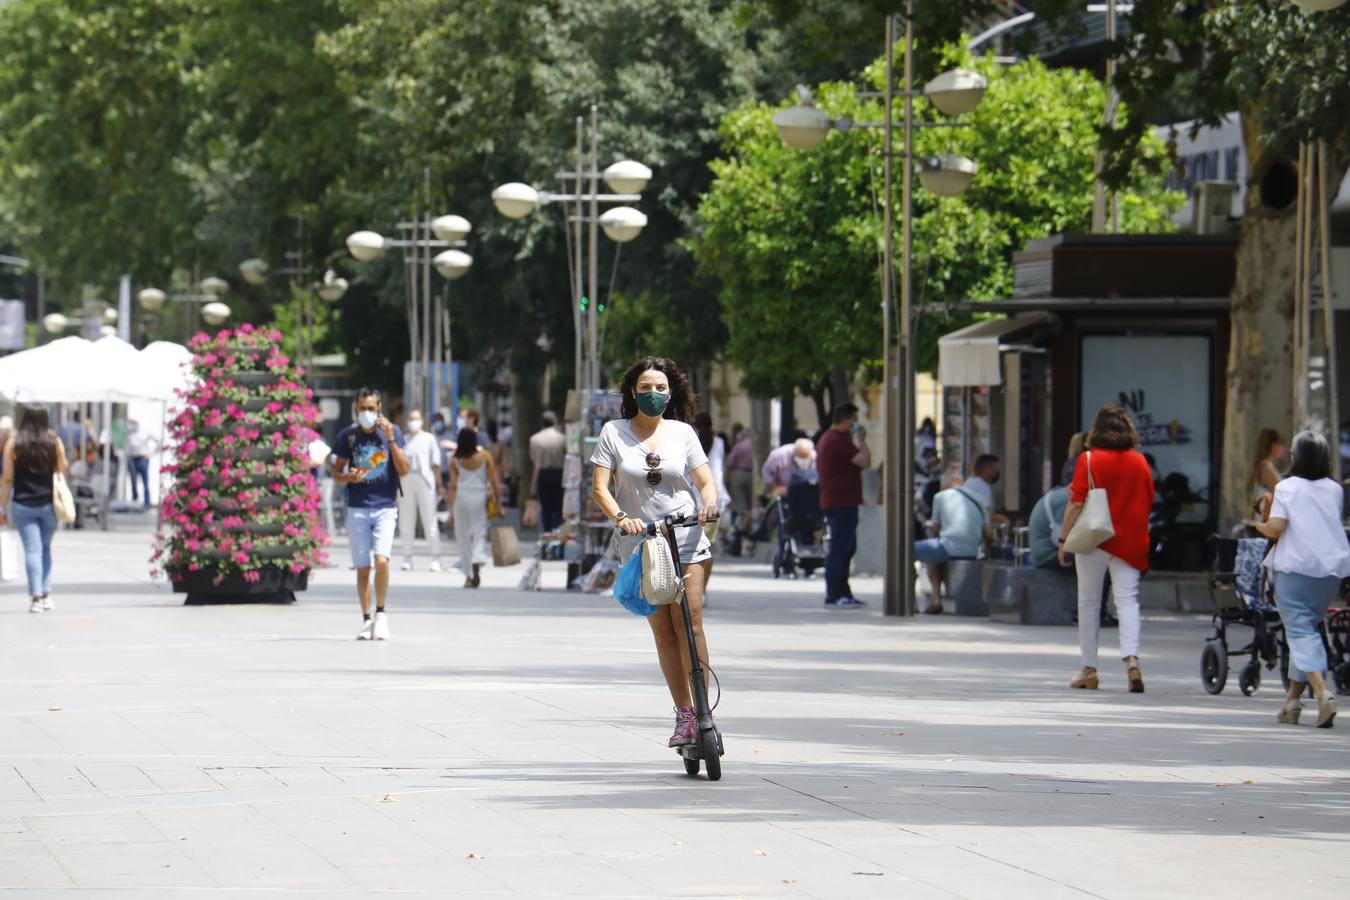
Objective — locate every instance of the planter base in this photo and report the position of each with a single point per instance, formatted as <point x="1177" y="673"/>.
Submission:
<point x="276" y="586"/>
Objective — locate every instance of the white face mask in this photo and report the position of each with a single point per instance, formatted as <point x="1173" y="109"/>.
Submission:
<point x="367" y="418"/>
<point x="414" y="426"/>
<point x="802" y="463"/>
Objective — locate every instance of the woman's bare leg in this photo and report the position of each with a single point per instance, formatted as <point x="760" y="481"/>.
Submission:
<point x="667" y="626"/>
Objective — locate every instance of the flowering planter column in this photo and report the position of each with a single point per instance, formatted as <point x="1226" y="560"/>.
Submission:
<point x="243" y="507"/>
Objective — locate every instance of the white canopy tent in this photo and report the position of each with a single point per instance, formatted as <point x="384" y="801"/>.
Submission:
<point x="107" y="371"/>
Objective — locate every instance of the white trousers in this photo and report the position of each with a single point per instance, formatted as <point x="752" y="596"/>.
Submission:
<point x="1092" y="568"/>
<point x="418" y="503"/>
<point x="471" y="528"/>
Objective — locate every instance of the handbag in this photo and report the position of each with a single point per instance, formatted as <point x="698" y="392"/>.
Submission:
<point x="505" y="546"/>
<point x="494" y="508"/>
<point x="660" y="585"/>
<point x="1093" y="525"/>
<point x="63" y="501"/>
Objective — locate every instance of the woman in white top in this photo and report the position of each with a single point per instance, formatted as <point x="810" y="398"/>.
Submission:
<point x="1310" y="558"/>
<point x="473" y="479"/>
<point x="420" y="489"/>
<point x="641" y="461"/>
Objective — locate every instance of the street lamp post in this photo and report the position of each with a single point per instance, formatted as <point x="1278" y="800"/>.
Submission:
<point x="204" y="295"/>
<point x="331" y="289"/>
<point x="805" y="127"/>
<point x="620" y="224"/>
<point x="428" y="317"/>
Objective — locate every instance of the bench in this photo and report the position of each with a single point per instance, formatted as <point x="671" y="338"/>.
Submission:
<point x="1035" y="596"/>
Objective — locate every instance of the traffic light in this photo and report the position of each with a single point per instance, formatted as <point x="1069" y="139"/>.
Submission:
<point x="585" y="302"/>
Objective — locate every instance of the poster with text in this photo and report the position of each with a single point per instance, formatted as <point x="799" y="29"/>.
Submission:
<point x="1165" y="382"/>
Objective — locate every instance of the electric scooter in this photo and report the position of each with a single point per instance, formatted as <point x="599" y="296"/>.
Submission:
<point x="707" y="746"/>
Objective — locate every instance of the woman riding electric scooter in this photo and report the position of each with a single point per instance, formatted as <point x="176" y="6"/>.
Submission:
<point x="640" y="465"/>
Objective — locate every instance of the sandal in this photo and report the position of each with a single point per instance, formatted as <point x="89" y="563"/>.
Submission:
<point x="1135" y="676"/>
<point x="1086" y="680"/>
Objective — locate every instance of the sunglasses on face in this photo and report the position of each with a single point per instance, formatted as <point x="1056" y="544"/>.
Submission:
<point x="654" y="464"/>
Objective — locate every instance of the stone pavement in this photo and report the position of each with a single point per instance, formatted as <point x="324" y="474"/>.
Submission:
<point x="511" y="744"/>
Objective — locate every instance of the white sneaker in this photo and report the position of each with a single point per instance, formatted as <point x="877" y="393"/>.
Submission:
<point x="381" y="632"/>
<point x="47" y="603"/>
<point x="367" y="630"/>
<point x="407" y="565"/>
<point x="435" y="565"/>
<point x="35" y="606"/>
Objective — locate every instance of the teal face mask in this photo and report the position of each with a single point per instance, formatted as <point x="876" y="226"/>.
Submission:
<point x="652" y="403"/>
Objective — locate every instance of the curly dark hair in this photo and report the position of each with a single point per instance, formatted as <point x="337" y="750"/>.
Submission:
<point x="682" y="406"/>
<point x="1113" y="429"/>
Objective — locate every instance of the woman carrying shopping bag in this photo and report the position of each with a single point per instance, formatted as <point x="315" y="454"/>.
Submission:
<point x="473" y="490"/>
<point x="644" y="463"/>
<point x="34" y="463"/>
<point x="1106" y="529"/>
<point x="1310" y="557"/>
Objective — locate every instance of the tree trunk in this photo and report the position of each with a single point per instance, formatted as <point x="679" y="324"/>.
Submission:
<point x="822" y="411"/>
<point x="841" y="388"/>
<point x="1260" y="375"/>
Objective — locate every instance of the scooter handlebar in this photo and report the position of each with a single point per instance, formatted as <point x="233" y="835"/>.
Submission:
<point x="674" y="522"/>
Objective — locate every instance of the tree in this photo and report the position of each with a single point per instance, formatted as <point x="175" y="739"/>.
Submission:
<point x="793" y="236"/>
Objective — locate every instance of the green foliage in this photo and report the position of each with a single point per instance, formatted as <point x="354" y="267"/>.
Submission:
<point x="794" y="236"/>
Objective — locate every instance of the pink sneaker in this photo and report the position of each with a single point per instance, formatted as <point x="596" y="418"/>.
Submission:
<point x="686" y="727"/>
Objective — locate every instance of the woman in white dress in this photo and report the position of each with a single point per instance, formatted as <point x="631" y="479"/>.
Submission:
<point x="644" y="463"/>
<point x="473" y="480"/>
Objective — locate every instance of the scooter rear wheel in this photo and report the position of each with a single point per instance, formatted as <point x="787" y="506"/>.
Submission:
<point x="690" y="767"/>
<point x="712" y="754"/>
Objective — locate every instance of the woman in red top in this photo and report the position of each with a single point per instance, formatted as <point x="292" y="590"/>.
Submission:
<point x="1123" y="472"/>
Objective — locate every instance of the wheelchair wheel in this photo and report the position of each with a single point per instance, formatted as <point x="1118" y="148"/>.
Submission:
<point x="1213" y="667"/>
<point x="1250" y="678"/>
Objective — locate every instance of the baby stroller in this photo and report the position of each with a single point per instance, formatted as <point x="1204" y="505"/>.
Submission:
<point x="1235" y="586"/>
<point x="801" y="527"/>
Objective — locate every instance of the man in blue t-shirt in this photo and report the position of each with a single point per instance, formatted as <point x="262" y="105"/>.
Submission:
<point x="370" y="461"/>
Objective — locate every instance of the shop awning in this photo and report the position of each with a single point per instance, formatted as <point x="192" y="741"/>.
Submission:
<point x="969" y="357"/>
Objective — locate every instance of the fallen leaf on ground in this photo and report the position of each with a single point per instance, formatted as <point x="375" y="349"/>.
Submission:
<point x="53" y="709"/>
<point x="897" y="734"/>
<point x="761" y="852"/>
<point x="473" y="856"/>
<point x="388" y="798"/>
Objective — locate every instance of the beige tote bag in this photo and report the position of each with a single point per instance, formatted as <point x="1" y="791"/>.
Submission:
<point x="63" y="502"/>
<point x="1093" y="525"/>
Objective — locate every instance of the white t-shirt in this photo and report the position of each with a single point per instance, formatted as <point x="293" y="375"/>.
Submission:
<point x="717" y="462"/>
<point x="676" y="443"/>
<point x="1314" y="543"/>
<point x="424" y="456"/>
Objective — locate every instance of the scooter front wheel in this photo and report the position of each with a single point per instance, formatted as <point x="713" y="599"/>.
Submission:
<point x="712" y="754"/>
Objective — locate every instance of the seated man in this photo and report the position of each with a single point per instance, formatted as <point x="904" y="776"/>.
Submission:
<point x="960" y="523"/>
<point x="1047" y="517"/>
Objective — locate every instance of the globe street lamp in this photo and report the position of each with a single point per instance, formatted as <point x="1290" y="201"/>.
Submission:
<point x="626" y="179"/>
<point x="805" y="127"/>
<point x="257" y="271"/>
<point x="428" y="315"/>
<point x="204" y="295"/>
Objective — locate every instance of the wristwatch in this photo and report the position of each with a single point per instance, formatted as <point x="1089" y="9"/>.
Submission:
<point x="620" y="517"/>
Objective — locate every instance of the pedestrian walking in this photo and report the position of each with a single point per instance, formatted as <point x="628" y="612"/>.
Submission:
<point x="715" y="448"/>
<point x="370" y="461"/>
<point x="841" y="455"/>
<point x="1265" y="471"/>
<point x="1111" y="462"/>
<point x="644" y="464"/>
<point x="1310" y="557"/>
<point x="421" y="490"/>
<point x="140" y="446"/>
<point x="33" y="458"/>
<point x="548" y="450"/>
<point x="473" y="488"/>
<point x="740" y="477"/>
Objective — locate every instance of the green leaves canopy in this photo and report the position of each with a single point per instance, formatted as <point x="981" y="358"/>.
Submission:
<point x="794" y="237"/>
